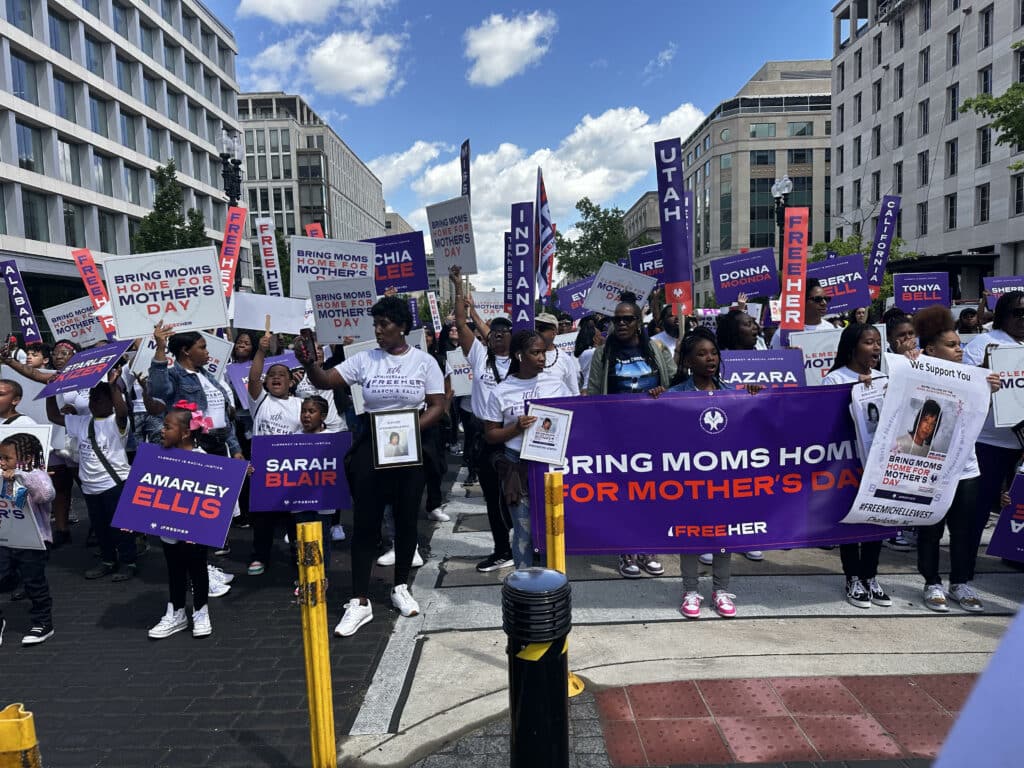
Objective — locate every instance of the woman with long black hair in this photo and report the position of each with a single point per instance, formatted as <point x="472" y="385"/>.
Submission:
<point x="630" y="363"/>
<point x="395" y="377"/>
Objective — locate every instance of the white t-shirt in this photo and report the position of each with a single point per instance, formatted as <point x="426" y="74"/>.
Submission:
<point x="974" y="354"/>
<point x="94" y="476"/>
<point x="333" y="422"/>
<point x="777" y="338"/>
<point x="561" y="366"/>
<point x="79" y="400"/>
<point x="393" y="382"/>
<point x="20" y="420"/>
<point x="275" y="415"/>
<point x="216" y="407"/>
<point x="506" y="402"/>
<point x="585" y="360"/>
<point x="844" y="375"/>
<point x="483" y="377"/>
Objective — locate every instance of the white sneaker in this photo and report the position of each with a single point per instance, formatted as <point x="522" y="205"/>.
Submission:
<point x="218" y="589"/>
<point x="355" y="616"/>
<point x="216" y="574"/>
<point x="201" y="626"/>
<point x="403" y="601"/>
<point x="707" y="559"/>
<point x="388" y="558"/>
<point x="337" y="533"/>
<point x="755" y="554"/>
<point x="173" y="621"/>
<point x="439" y="515"/>
<point x="417" y="561"/>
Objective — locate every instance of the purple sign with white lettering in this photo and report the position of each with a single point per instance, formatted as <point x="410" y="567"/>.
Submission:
<point x="914" y="291"/>
<point x="238" y="374"/>
<point x="508" y="272"/>
<point x="523" y="271"/>
<point x="1008" y="535"/>
<point x="648" y="260"/>
<point x="298" y="473"/>
<point x="768" y="471"/>
<point x="774" y="368"/>
<point x="842" y="279"/>
<point x="400" y="263"/>
<point x="182" y="495"/>
<point x="85" y="369"/>
<point x="753" y="273"/>
<point x="996" y="286"/>
<point x="21" y="307"/>
<point x="884" y="234"/>
<point x="571" y="297"/>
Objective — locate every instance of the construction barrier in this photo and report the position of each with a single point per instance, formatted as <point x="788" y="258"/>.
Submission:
<point x="19" y="747"/>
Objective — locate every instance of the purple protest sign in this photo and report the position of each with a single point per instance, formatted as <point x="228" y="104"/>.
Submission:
<point x="914" y="291"/>
<point x="571" y="297"/>
<point x="884" y="233"/>
<point x="414" y="309"/>
<point x="675" y="207"/>
<point x="842" y="279"/>
<point x="508" y="272"/>
<point x="763" y="367"/>
<point x="400" y="262"/>
<point x="298" y="473"/>
<point x="753" y="273"/>
<point x="523" y="272"/>
<point x="1008" y="535"/>
<point x="85" y="369"/>
<point x="20" y="304"/>
<point x="181" y="495"/>
<point x="767" y="471"/>
<point x="238" y="374"/>
<point x="648" y="260"/>
<point x="996" y="286"/>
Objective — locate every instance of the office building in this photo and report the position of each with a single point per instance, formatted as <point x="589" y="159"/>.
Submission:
<point x="900" y="71"/>
<point x="641" y="220"/>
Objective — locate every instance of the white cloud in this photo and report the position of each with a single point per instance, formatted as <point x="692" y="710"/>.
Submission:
<point x="501" y="48"/>
<point x="364" y="12"/>
<point x="603" y="158"/>
<point x="394" y="169"/>
<point x="288" y="11"/>
<point x="358" y="65"/>
<point x="656" y="66"/>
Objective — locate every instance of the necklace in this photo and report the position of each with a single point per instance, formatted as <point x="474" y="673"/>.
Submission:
<point x="553" y="362"/>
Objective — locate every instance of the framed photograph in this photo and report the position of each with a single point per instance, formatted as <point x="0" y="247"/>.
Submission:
<point x="548" y="436"/>
<point x="396" y="439"/>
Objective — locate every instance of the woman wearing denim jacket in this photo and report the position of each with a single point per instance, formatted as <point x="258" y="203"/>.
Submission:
<point x="188" y="380"/>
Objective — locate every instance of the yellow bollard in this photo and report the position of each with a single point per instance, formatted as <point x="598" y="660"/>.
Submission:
<point x="554" y="518"/>
<point x="313" y="599"/>
<point x="19" y="747"/>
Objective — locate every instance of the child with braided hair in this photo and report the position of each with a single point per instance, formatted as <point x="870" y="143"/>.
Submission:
<point x="27" y="489"/>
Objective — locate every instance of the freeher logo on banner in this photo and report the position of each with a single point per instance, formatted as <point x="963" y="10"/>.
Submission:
<point x="884" y="233"/>
<point x="753" y="273"/>
<point x="648" y="260"/>
<point x="234" y="233"/>
<point x="94" y="288"/>
<point x="400" y="262"/>
<point x="673" y="215"/>
<point x="914" y="291"/>
<point x="794" y="269"/>
<point x="522" y="266"/>
<point x="842" y="279"/>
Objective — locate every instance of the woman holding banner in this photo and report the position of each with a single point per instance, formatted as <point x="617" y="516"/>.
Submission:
<point x="857" y="360"/>
<point x="490" y="366"/>
<point x="630" y="363"/>
<point x="395" y="377"/>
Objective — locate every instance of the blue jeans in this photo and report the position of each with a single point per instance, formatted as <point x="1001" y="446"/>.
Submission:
<point x="522" y="543"/>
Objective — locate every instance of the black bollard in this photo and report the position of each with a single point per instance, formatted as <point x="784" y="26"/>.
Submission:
<point x="537" y="615"/>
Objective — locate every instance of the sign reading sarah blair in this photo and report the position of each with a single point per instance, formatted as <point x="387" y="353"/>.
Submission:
<point x="298" y="473"/>
<point x="317" y="258"/>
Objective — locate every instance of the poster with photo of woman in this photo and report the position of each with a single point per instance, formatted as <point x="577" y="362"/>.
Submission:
<point x="396" y="439"/>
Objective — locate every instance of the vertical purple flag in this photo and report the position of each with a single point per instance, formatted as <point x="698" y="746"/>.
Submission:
<point x="914" y="291"/>
<point x="648" y="260"/>
<point x="414" y="308"/>
<point x="400" y="262"/>
<point x="674" y="209"/>
<point x="508" y="272"/>
<point x="522" y="266"/>
<point x="884" y="233"/>
<point x="21" y="307"/>
<point x="464" y="163"/>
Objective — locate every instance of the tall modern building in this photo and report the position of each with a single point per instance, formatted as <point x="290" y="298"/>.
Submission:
<point x="900" y="71"/>
<point x="777" y="125"/>
<point x="299" y="171"/>
<point x="94" y="95"/>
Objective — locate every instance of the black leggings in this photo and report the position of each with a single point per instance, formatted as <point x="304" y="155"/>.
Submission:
<point x="860" y="560"/>
<point x="962" y="552"/>
<point x="186" y="562"/>
<point x="471" y="426"/>
<point x="497" y="511"/>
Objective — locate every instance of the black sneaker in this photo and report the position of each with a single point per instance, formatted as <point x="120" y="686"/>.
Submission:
<point x="878" y="596"/>
<point x="37" y="635"/>
<point x="127" y="573"/>
<point x="856" y="594"/>
<point x="495" y="562"/>
<point x="101" y="570"/>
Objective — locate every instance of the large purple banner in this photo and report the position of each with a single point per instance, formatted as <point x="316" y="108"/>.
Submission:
<point x="400" y="263"/>
<point x="238" y="374"/>
<point x="913" y="291"/>
<point x="523" y="273"/>
<point x="1000" y="285"/>
<point x="884" y="233"/>
<point x="182" y="495"/>
<point x="753" y="273"/>
<point x="1008" y="535"/>
<point x="85" y="369"/>
<point x="842" y="279"/>
<point x="298" y="473"/>
<point x="21" y="307"/>
<point x="648" y="260"/>
<point x="699" y="472"/>
<point x="571" y="297"/>
<point x="763" y="368"/>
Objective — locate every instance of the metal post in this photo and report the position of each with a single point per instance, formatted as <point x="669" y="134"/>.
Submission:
<point x="554" y="515"/>
<point x="312" y="598"/>
<point x="537" y="615"/>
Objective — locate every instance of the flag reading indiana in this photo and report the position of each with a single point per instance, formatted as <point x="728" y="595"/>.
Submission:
<point x="545" y="241"/>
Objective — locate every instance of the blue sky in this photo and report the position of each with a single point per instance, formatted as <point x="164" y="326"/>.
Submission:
<point x="581" y="88"/>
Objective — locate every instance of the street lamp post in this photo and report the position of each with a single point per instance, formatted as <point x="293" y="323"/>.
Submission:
<point x="780" y="189"/>
<point x="231" y="171"/>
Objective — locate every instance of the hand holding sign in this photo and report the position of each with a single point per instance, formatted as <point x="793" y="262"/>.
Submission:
<point x="305" y="350"/>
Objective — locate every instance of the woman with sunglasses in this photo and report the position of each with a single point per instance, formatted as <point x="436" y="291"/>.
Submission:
<point x="815" y="308"/>
<point x="630" y="363"/>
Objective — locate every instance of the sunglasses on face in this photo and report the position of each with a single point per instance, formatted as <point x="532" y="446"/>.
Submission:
<point x="821" y="299"/>
<point x="624" y="319"/>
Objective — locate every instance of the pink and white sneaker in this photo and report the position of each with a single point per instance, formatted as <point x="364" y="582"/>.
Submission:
<point x="723" y="604"/>
<point x="691" y="605"/>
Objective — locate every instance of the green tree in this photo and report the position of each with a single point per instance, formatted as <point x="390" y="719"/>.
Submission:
<point x="602" y="238"/>
<point x="856" y="243"/>
<point x="1006" y="111"/>
<point x="166" y="227"/>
